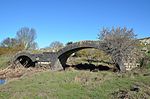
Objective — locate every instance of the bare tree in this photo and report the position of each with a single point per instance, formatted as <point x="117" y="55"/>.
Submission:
<point x="9" y="42"/>
<point x="56" y="45"/>
<point x="27" y="37"/>
<point x="120" y="43"/>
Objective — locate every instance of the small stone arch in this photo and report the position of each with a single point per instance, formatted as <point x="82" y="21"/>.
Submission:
<point x="25" y="59"/>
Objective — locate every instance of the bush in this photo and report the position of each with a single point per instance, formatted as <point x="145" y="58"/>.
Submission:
<point x="10" y="50"/>
<point x="93" y="54"/>
<point x="145" y="62"/>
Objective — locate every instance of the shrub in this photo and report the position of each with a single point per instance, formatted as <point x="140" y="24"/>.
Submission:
<point x="10" y="50"/>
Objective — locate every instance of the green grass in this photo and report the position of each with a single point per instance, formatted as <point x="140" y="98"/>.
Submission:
<point x="74" y="85"/>
<point x="4" y="59"/>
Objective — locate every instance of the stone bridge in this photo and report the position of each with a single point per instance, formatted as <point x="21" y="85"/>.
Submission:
<point x="58" y="59"/>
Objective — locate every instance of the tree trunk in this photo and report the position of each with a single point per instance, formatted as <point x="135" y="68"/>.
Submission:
<point x="122" y="67"/>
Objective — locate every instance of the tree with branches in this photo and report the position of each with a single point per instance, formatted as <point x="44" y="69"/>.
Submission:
<point x="56" y="45"/>
<point x="120" y="44"/>
<point x="9" y="42"/>
<point x="27" y="36"/>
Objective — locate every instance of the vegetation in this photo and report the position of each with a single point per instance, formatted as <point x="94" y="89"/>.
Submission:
<point x="68" y="43"/>
<point x="78" y="84"/>
<point x="119" y="43"/>
<point x="27" y="36"/>
<point x="25" y="39"/>
<point x="56" y="46"/>
<point x="4" y="60"/>
<point x="10" y="50"/>
<point x="92" y="55"/>
<point x="145" y="61"/>
<point x="10" y="46"/>
<point x="9" y="42"/>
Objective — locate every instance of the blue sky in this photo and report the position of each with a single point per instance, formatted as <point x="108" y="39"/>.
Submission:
<point x="72" y="20"/>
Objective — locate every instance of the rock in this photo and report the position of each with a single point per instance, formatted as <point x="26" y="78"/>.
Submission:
<point x="135" y="88"/>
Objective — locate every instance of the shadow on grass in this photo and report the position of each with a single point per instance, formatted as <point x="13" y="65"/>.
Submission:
<point x="90" y="67"/>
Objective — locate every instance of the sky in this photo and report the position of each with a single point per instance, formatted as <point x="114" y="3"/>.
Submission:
<point x="72" y="20"/>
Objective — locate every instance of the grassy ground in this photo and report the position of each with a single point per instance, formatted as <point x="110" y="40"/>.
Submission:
<point x="77" y="85"/>
<point x="4" y="59"/>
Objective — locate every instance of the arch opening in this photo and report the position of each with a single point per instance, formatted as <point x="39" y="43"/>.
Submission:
<point x="84" y="63"/>
<point x="25" y="61"/>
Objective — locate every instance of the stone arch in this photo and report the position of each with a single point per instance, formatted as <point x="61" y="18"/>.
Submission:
<point x="64" y="53"/>
<point x="25" y="59"/>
